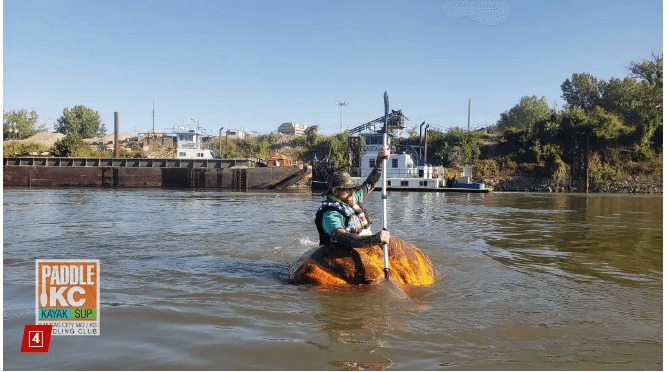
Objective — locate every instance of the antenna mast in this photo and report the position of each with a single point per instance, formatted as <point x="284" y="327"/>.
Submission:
<point x="341" y="123"/>
<point x="469" y="113"/>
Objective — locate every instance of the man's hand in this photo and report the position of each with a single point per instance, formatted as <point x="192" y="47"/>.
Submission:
<point x="384" y="152"/>
<point x="384" y="236"/>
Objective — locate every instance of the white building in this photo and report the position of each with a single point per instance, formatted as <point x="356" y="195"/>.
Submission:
<point x="235" y="133"/>
<point x="292" y="129"/>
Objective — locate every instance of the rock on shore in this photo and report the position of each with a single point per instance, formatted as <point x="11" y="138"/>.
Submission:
<point x="530" y="183"/>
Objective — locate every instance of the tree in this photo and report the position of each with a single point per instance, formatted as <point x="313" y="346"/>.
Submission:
<point x="18" y="119"/>
<point x="622" y="98"/>
<point x="311" y="135"/>
<point x="459" y="146"/>
<point x="650" y="101"/>
<point x="338" y="149"/>
<point x="583" y="90"/>
<point x="525" y="114"/>
<point x="649" y="70"/>
<point x="69" y="145"/>
<point x="82" y="120"/>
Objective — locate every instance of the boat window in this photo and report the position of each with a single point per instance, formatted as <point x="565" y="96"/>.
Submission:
<point x="395" y="163"/>
<point x="405" y="183"/>
<point x="200" y="154"/>
<point x="421" y="173"/>
<point x="423" y="183"/>
<point x="374" y="140"/>
<point x="372" y="162"/>
<point x="182" y="154"/>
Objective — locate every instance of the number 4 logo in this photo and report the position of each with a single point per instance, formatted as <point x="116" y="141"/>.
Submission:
<point x="36" y="338"/>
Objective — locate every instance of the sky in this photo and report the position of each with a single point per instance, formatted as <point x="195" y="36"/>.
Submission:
<point x="258" y="64"/>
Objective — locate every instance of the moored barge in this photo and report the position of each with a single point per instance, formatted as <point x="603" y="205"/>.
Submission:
<point x="234" y="174"/>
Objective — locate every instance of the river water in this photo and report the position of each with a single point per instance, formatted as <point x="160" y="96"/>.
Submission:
<point x="197" y="280"/>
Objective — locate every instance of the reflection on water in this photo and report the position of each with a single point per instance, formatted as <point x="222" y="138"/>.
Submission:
<point x="584" y="238"/>
<point x="196" y="280"/>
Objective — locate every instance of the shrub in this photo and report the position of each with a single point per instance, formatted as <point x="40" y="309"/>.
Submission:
<point x="9" y="148"/>
<point x="526" y="166"/>
<point x="508" y="164"/>
<point x="69" y="145"/>
<point x="486" y="168"/>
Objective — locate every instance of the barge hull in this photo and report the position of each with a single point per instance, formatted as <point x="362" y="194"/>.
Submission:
<point x="76" y="172"/>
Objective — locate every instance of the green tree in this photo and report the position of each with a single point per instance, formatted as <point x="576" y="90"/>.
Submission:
<point x="338" y="149"/>
<point x="82" y="120"/>
<point x="311" y="135"/>
<point x="525" y="114"/>
<point x="69" y="145"/>
<point x="460" y="147"/>
<point x="649" y="70"/>
<point x="622" y="98"/>
<point x="650" y="101"/>
<point x="25" y="124"/>
<point x="583" y="90"/>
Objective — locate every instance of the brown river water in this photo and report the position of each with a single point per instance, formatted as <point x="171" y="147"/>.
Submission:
<point x="197" y="280"/>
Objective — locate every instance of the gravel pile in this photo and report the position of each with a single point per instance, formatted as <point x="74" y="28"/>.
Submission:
<point x="49" y="139"/>
<point x="42" y="138"/>
<point x="109" y="138"/>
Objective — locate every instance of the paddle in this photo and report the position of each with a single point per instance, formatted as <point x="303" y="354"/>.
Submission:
<point x="384" y="196"/>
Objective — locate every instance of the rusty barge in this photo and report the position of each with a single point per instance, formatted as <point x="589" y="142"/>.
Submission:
<point x="234" y="174"/>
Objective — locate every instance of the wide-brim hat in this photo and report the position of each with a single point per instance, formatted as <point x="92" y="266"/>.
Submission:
<point x="340" y="180"/>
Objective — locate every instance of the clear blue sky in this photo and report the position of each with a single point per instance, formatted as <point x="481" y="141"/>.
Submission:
<point x="257" y="64"/>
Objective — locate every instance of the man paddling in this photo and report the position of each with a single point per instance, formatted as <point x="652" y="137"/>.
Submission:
<point x="341" y="218"/>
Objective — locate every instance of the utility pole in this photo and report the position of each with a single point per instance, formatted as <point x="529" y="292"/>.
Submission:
<point x="153" y="112"/>
<point x="469" y="113"/>
<point x="220" y="148"/>
<point x="341" y="123"/>
<point x="115" y="134"/>
<point x="425" y="156"/>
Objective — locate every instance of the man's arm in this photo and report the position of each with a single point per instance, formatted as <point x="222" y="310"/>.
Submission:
<point x="375" y="175"/>
<point x="333" y="224"/>
<point x="341" y="236"/>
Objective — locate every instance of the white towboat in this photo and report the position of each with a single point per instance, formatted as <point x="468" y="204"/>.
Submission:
<point x="406" y="170"/>
<point x="190" y="144"/>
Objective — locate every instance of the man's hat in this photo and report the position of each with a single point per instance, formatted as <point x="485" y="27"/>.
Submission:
<point x="340" y="180"/>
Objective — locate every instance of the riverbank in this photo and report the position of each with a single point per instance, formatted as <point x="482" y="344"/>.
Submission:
<point x="529" y="182"/>
<point x="618" y="175"/>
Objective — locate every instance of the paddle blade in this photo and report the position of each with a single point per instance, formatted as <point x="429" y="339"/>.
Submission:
<point x="387" y="108"/>
<point x="390" y="287"/>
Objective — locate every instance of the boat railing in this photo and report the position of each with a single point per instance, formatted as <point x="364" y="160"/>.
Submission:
<point x="132" y="162"/>
<point x="189" y="145"/>
<point x="402" y="173"/>
<point x="415" y="156"/>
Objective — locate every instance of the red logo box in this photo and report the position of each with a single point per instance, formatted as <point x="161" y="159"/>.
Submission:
<point x="36" y="338"/>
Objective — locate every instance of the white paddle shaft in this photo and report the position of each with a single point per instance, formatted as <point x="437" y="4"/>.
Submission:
<point x="384" y="198"/>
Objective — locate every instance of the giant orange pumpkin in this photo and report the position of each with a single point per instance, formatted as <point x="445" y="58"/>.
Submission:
<point x="331" y="265"/>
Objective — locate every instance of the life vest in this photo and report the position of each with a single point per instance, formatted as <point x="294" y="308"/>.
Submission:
<point x="355" y="218"/>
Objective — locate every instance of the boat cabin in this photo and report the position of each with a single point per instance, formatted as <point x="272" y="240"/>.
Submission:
<point x="404" y="168"/>
<point x="190" y="145"/>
